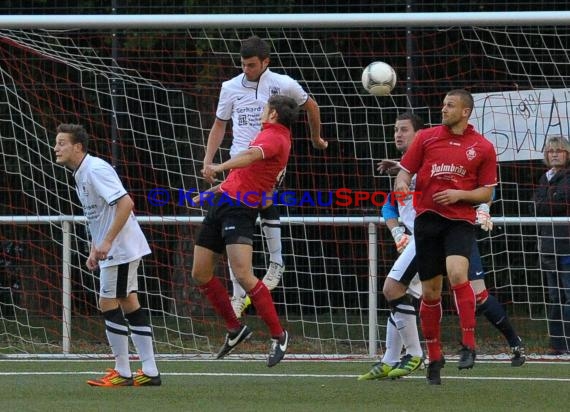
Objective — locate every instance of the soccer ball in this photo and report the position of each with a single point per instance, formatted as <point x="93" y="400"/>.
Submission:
<point x="379" y="78"/>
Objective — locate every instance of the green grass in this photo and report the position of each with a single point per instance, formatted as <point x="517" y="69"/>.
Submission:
<point x="290" y="386"/>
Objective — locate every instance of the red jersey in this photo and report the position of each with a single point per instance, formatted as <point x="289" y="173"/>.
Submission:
<point x="443" y="160"/>
<point x="254" y="184"/>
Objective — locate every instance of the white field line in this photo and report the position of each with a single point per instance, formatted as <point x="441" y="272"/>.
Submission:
<point x="296" y="375"/>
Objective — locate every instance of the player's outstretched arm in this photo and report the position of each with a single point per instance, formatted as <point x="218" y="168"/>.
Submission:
<point x="403" y="181"/>
<point x="388" y="166"/>
<point x="314" y="118"/>
<point x="215" y="139"/>
<point x="196" y="200"/>
<point x="241" y="160"/>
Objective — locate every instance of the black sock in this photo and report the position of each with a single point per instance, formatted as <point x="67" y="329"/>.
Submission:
<point x="495" y="313"/>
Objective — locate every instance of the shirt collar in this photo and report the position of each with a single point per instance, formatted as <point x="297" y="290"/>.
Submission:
<point x="247" y="83"/>
<point x="83" y="162"/>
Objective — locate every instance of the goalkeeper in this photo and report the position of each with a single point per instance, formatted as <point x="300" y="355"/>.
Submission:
<point x="402" y="287"/>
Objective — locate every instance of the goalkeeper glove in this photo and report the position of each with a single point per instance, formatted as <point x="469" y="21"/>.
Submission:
<point x="484" y="218"/>
<point x="401" y="238"/>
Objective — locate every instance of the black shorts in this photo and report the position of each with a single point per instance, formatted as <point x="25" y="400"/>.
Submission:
<point x="227" y="224"/>
<point x="437" y="238"/>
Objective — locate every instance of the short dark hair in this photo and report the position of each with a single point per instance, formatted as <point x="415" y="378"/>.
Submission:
<point x="287" y="109"/>
<point x="254" y="47"/>
<point x="417" y="121"/>
<point x="77" y="132"/>
<point x="465" y="96"/>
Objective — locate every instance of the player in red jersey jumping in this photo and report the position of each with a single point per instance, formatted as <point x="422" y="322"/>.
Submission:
<point x="230" y="225"/>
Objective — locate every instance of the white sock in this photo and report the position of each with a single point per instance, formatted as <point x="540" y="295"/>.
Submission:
<point x="142" y="339"/>
<point x="393" y="344"/>
<point x="120" y="347"/>
<point x="407" y="326"/>
<point x="272" y="232"/>
<point x="238" y="291"/>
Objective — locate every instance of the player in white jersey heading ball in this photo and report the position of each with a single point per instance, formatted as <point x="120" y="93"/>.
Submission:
<point x="117" y="246"/>
<point x="241" y="101"/>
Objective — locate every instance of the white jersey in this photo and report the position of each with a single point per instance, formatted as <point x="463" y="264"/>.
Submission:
<point x="404" y="268"/>
<point x="406" y="210"/>
<point x="242" y="102"/>
<point x="99" y="188"/>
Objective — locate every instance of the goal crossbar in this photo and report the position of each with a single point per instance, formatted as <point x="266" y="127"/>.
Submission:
<point x="305" y="20"/>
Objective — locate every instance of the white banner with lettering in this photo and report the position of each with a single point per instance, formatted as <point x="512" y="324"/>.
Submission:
<point x="518" y="122"/>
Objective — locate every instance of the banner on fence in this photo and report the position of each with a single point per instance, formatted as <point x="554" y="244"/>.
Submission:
<point x="518" y="122"/>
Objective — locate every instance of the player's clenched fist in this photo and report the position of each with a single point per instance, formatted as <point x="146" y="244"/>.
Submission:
<point x="209" y="171"/>
<point x="319" y="143"/>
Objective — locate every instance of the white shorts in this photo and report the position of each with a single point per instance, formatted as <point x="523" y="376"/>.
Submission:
<point x="119" y="281"/>
<point x="405" y="272"/>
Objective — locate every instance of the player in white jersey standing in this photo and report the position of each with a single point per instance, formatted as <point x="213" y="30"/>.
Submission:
<point x="117" y="246"/>
<point x="241" y="101"/>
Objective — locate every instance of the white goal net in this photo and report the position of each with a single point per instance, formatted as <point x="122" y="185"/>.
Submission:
<point x="148" y="98"/>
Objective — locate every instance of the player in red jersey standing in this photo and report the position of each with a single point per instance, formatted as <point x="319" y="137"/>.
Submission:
<point x="456" y="168"/>
<point x="230" y="225"/>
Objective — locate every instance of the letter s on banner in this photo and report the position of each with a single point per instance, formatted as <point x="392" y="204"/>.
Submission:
<point x="343" y="194"/>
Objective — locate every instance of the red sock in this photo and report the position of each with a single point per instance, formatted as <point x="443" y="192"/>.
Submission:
<point x="263" y="303"/>
<point x="218" y="297"/>
<point x="465" y="304"/>
<point x="430" y="320"/>
<point x="480" y="298"/>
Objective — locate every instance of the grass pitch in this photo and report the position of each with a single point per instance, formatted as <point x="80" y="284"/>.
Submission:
<point x="235" y="385"/>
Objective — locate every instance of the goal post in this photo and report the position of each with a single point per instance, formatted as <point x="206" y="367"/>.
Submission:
<point x="146" y="89"/>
